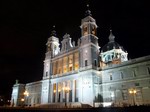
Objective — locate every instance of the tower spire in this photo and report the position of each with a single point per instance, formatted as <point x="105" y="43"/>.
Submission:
<point x="53" y="33"/>
<point x="111" y="36"/>
<point x="88" y="12"/>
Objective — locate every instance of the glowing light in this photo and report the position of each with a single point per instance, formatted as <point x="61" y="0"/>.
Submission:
<point x="59" y="90"/>
<point x="26" y="93"/>
<point x="66" y="89"/>
<point x="22" y="99"/>
<point x="132" y="91"/>
<point x="107" y="104"/>
<point x="112" y="95"/>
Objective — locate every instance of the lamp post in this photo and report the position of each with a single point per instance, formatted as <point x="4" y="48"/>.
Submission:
<point x="26" y="94"/>
<point x="133" y="92"/>
<point x="22" y="102"/>
<point x="54" y="95"/>
<point x="66" y="89"/>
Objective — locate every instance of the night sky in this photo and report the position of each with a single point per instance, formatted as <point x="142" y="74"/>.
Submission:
<point x="26" y="25"/>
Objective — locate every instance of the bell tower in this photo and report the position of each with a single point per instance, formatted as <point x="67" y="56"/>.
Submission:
<point x="52" y="50"/>
<point x="53" y="44"/>
<point x="89" y="41"/>
<point x="88" y="29"/>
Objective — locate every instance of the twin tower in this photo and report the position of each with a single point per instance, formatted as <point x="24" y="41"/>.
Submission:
<point x="87" y="46"/>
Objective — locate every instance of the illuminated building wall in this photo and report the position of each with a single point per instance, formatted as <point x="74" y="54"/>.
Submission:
<point x="118" y="80"/>
<point x="80" y="73"/>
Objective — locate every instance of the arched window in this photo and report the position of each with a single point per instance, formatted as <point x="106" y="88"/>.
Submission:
<point x="85" y="30"/>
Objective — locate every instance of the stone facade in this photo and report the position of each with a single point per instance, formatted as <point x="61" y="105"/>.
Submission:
<point x="85" y="75"/>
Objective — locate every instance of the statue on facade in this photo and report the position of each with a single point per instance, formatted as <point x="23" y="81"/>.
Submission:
<point x="17" y="81"/>
<point x="73" y="43"/>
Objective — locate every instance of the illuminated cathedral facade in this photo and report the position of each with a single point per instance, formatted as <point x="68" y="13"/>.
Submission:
<point x="84" y="73"/>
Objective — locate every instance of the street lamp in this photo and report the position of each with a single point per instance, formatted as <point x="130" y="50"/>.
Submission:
<point x="26" y="93"/>
<point x="22" y="99"/>
<point x="66" y="89"/>
<point x="59" y="95"/>
<point x="133" y="92"/>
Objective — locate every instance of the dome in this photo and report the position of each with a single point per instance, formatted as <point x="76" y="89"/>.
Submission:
<point x="111" y="44"/>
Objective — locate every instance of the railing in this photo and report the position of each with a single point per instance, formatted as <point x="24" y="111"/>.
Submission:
<point x="65" y="74"/>
<point x="74" y="71"/>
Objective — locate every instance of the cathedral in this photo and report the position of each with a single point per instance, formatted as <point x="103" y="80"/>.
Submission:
<point x="86" y="74"/>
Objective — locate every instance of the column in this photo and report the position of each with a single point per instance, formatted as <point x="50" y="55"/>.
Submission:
<point x="62" y="65"/>
<point x="73" y="63"/>
<point x="56" y="94"/>
<point x="80" y="58"/>
<point x="56" y="67"/>
<point x="51" y="97"/>
<point x="63" y="92"/>
<point x="73" y="90"/>
<point x="70" y="91"/>
<point x="68" y="64"/>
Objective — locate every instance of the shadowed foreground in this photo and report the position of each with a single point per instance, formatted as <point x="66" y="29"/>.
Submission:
<point x="111" y="109"/>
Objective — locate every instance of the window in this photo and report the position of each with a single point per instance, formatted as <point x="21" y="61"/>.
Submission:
<point x="123" y="86"/>
<point x="46" y="74"/>
<point x="65" y="61"/>
<point x="112" y="95"/>
<point x="124" y="94"/>
<point x="109" y="58"/>
<point x="70" y="59"/>
<point x="76" y="60"/>
<point x="110" y="76"/>
<point x="95" y="62"/>
<point x="49" y="47"/>
<point x="86" y="62"/>
<point x="134" y="74"/>
<point x="148" y="69"/>
<point x="121" y="75"/>
<point x="137" y="84"/>
<point x="93" y="30"/>
<point x="59" y="70"/>
<point x="70" y="68"/>
<point x="85" y="32"/>
<point x="56" y="65"/>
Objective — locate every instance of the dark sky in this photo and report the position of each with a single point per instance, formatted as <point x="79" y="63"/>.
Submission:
<point x="25" y="26"/>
